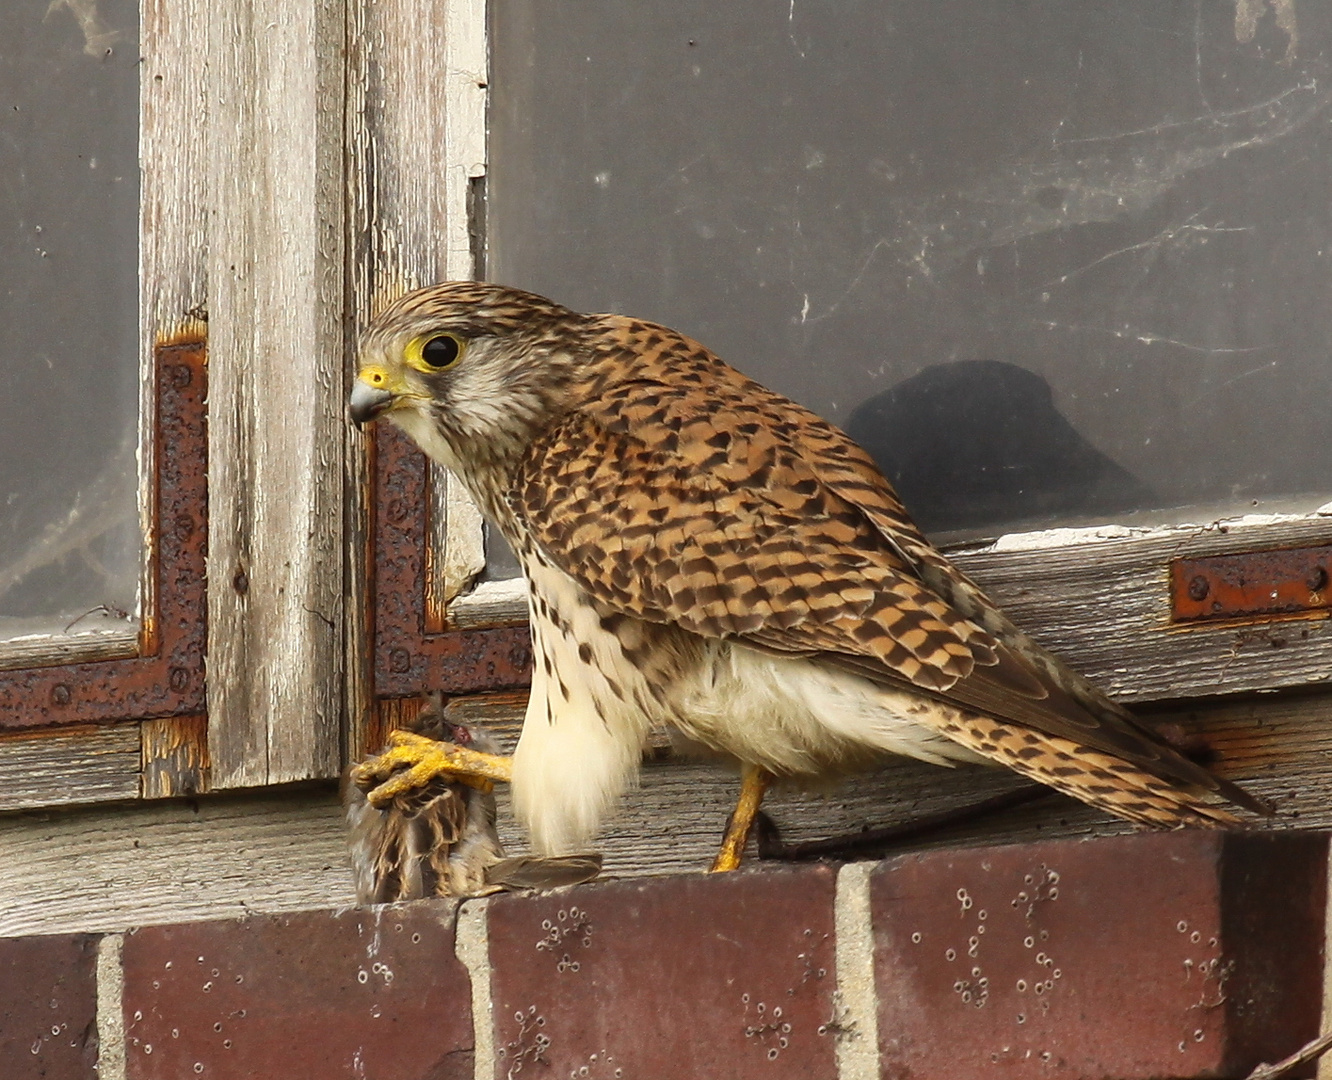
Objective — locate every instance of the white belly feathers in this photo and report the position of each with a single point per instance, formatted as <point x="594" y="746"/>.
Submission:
<point x="586" y="724"/>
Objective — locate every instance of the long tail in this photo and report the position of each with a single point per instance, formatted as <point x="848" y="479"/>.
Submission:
<point x="1091" y="776"/>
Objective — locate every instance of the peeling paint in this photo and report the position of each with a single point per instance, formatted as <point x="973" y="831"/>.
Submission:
<point x="1045" y="539"/>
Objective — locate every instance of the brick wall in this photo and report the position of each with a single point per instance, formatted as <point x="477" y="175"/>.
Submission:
<point x="1181" y="955"/>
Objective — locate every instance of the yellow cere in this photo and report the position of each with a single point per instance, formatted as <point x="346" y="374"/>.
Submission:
<point x="376" y="376"/>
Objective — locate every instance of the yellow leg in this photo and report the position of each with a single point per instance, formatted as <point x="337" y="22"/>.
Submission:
<point x="753" y="783"/>
<point x="412" y="761"/>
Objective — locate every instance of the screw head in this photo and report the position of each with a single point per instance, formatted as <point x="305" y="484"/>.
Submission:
<point x="1199" y="587"/>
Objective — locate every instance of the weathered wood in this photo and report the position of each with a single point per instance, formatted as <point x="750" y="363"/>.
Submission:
<point x="358" y="656"/>
<point x="59" y="766"/>
<point x="173" y="210"/>
<point x="276" y="356"/>
<point x="389" y="715"/>
<point x="467" y="78"/>
<point x="115" y="867"/>
<point x="225" y="854"/>
<point x="455" y="546"/>
<point x="502" y="715"/>
<point x="460" y="537"/>
<point x="490" y="603"/>
<point x="398" y="140"/>
<point x="420" y="119"/>
<point x="114" y="643"/>
<point x="172" y="279"/>
<point x="416" y="135"/>
<point x="1100" y="599"/>
<point x="175" y="757"/>
<point x="360" y="711"/>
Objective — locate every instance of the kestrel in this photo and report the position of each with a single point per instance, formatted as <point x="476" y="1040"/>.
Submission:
<point x="704" y="553"/>
<point x="439" y="839"/>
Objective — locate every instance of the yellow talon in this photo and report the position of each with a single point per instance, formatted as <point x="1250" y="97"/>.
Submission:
<point x="412" y="761"/>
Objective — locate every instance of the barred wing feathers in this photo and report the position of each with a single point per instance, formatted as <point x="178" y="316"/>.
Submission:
<point x="681" y="492"/>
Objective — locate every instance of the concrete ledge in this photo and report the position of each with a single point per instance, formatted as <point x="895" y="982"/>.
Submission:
<point x="1148" y="957"/>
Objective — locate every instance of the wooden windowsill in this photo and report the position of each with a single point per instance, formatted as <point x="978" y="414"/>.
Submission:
<point x="89" y="646"/>
<point x="1099" y="597"/>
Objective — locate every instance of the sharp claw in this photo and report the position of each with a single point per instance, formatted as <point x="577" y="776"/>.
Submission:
<point x="412" y="761"/>
<point x="401" y="783"/>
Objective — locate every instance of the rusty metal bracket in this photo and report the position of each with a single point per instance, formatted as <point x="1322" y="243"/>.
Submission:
<point x="410" y="658"/>
<point x="167" y="677"/>
<point x="1253" y="585"/>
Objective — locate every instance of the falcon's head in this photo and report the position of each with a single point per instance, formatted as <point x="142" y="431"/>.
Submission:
<point x="468" y="369"/>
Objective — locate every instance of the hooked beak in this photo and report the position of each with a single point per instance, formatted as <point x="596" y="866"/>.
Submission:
<point x="367" y="402"/>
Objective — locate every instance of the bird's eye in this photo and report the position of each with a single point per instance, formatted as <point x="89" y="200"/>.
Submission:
<point x="435" y="353"/>
<point x="440" y="352"/>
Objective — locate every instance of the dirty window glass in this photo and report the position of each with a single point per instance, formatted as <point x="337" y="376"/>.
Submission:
<point x="1051" y="262"/>
<point x="69" y="533"/>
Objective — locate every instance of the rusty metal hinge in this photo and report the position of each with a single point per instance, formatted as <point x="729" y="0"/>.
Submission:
<point x="1254" y="584"/>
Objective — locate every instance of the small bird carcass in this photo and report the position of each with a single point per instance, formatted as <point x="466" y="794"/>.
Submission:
<point x="440" y="839"/>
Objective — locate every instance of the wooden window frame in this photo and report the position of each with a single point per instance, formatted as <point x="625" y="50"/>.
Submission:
<point x="418" y="165"/>
<point x="248" y="293"/>
<point x="130" y="726"/>
<point x="376" y="178"/>
<point x="318" y="541"/>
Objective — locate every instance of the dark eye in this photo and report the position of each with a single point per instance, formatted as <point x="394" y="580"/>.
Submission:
<point x="440" y="352"/>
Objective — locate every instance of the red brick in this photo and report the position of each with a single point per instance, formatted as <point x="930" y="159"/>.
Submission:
<point x="1189" y="954"/>
<point x="48" y="1007"/>
<point x="723" y="977"/>
<point x="372" y="993"/>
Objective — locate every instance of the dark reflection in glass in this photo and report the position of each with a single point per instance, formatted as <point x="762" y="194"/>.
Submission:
<point x="1089" y="240"/>
<point x="978" y="441"/>
<point x="69" y="183"/>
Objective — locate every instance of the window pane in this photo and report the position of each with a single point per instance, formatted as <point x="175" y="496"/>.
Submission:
<point x="69" y="530"/>
<point x="1050" y="262"/>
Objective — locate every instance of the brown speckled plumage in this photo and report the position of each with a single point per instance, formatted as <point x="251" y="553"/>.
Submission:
<point x="706" y="522"/>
